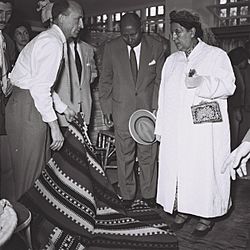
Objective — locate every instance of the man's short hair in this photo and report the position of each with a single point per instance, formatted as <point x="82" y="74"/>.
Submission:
<point x="130" y="17"/>
<point x="7" y="1"/>
<point x="59" y="7"/>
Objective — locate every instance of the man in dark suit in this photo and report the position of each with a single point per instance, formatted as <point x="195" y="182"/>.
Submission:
<point x="124" y="89"/>
<point x="9" y="54"/>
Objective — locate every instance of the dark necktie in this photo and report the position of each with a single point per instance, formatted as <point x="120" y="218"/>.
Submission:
<point x="78" y="61"/>
<point x="70" y="72"/>
<point x="133" y="64"/>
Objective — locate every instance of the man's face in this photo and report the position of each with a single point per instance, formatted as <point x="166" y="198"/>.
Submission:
<point x="131" y="34"/>
<point x="5" y="14"/>
<point x="73" y="23"/>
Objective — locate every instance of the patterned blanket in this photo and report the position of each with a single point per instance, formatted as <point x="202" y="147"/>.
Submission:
<point x="75" y="196"/>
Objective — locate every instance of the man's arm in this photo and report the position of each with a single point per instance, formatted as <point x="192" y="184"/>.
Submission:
<point x="56" y="134"/>
<point x="44" y="79"/>
<point x="106" y="85"/>
<point x="237" y="160"/>
<point x="159" y="64"/>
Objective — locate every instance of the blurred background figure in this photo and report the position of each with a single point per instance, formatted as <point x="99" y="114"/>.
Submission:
<point x="7" y="54"/>
<point x="20" y="33"/>
<point x="247" y="47"/>
<point x="245" y="72"/>
<point x="238" y="57"/>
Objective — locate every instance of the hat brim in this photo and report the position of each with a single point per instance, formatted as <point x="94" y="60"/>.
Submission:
<point x="133" y="128"/>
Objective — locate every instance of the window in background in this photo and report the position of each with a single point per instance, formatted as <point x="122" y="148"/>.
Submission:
<point x="155" y="16"/>
<point x="231" y="12"/>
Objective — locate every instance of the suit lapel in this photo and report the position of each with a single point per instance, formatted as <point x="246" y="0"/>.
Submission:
<point x="145" y="55"/>
<point x="84" y="57"/>
<point x="122" y="51"/>
<point x="73" y="71"/>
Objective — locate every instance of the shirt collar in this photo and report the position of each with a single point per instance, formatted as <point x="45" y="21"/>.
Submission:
<point x="59" y="31"/>
<point x="136" y="48"/>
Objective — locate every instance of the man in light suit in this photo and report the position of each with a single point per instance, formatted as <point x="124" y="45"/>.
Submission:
<point x="121" y="93"/>
<point x="74" y="88"/>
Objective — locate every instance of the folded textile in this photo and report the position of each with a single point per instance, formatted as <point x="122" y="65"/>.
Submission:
<point x="74" y="194"/>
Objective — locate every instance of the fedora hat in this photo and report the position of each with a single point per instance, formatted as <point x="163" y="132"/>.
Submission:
<point x="142" y="126"/>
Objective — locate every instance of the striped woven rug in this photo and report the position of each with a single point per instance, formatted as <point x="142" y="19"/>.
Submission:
<point x="75" y="196"/>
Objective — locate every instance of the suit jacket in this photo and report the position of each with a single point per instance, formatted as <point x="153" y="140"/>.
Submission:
<point x="10" y="56"/>
<point x="119" y="94"/>
<point x="81" y="92"/>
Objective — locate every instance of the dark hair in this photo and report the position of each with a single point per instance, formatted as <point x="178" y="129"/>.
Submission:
<point x="247" y="47"/>
<point x="16" y="24"/>
<point x="59" y="7"/>
<point x="130" y="17"/>
<point x="7" y="1"/>
<point x="187" y="20"/>
<point x="237" y="55"/>
<point x="247" y="44"/>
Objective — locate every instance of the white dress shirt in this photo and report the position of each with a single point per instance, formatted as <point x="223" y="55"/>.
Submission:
<point x="36" y="69"/>
<point x="137" y="50"/>
<point x="72" y="48"/>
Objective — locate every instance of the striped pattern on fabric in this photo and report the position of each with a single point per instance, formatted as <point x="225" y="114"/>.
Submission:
<point x="74" y="194"/>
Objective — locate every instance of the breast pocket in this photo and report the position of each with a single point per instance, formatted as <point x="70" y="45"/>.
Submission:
<point x="152" y="68"/>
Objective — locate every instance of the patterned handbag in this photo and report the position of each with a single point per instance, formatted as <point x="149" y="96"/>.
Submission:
<point x="206" y="112"/>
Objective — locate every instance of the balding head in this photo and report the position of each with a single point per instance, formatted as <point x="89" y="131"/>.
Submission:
<point x="130" y="19"/>
<point x="131" y="29"/>
<point x="68" y="15"/>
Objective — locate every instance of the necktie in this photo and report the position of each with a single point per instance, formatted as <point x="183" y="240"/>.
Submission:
<point x="133" y="64"/>
<point x="3" y="68"/>
<point x="78" y="61"/>
<point x="70" y="72"/>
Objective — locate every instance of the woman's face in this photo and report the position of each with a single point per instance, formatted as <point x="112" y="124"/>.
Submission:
<point x="182" y="37"/>
<point x="21" y="36"/>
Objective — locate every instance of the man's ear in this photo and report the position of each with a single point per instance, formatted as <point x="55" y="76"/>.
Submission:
<point x="193" y="31"/>
<point x="61" y="18"/>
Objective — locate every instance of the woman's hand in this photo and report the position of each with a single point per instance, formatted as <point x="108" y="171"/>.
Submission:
<point x="193" y="82"/>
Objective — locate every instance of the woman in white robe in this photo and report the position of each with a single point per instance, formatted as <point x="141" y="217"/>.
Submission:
<point x="191" y="155"/>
